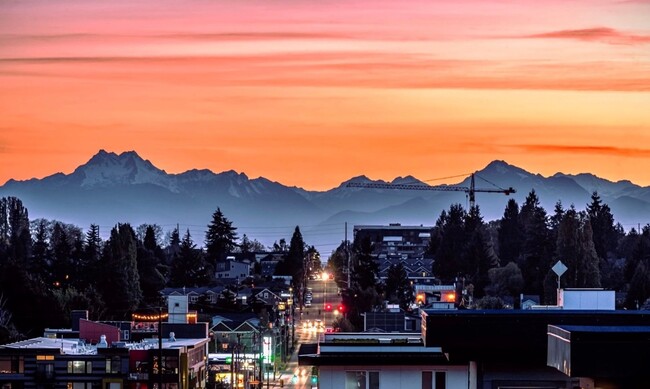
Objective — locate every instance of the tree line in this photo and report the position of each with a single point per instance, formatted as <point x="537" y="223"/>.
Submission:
<point x="497" y="261"/>
<point x="49" y="268"/>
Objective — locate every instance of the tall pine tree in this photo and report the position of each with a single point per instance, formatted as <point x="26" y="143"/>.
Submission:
<point x="120" y="282"/>
<point x="220" y="239"/>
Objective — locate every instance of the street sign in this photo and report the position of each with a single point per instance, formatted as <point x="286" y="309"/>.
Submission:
<point x="559" y="268"/>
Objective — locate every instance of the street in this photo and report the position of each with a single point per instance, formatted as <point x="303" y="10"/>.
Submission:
<point x="324" y="292"/>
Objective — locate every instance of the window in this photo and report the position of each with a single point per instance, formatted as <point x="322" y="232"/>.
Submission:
<point x="44" y="370"/>
<point x="113" y="365"/>
<point x="80" y="367"/>
<point x="80" y="385"/>
<point x="441" y="380"/>
<point x="428" y="381"/>
<point x="361" y="380"/>
<point x="170" y="365"/>
<point x="12" y="364"/>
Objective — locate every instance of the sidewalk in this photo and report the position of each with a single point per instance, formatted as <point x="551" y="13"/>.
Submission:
<point x="287" y="374"/>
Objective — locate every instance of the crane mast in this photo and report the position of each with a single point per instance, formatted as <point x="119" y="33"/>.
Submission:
<point x="470" y="190"/>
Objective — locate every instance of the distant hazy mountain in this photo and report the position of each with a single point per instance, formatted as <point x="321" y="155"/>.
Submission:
<point x="111" y="189"/>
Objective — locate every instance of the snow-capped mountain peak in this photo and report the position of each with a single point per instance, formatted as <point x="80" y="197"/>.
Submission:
<point x="108" y="168"/>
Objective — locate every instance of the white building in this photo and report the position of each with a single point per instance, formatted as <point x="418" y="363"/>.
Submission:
<point x="382" y="361"/>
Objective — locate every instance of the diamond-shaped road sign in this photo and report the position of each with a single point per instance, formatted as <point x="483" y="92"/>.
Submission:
<point x="559" y="268"/>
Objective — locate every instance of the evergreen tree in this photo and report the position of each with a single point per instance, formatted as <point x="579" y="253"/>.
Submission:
<point x="366" y="269"/>
<point x="91" y="257"/>
<point x="605" y="234"/>
<point x="15" y="237"/>
<point x="39" y="265"/>
<point x="446" y="264"/>
<point x="296" y="257"/>
<point x="220" y="239"/>
<point x="338" y="262"/>
<point x="510" y="233"/>
<point x="151" y="267"/>
<point x="174" y="245"/>
<point x="121" y="282"/>
<point x="61" y="264"/>
<point x="576" y="250"/>
<point x="189" y="267"/>
<point x="398" y="287"/>
<point x="639" y="290"/>
<point x="537" y="247"/>
<point x="478" y="255"/>
<point x="637" y="267"/>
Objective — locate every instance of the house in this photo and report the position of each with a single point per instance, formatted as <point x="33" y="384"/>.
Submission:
<point x="528" y="301"/>
<point x="195" y="294"/>
<point x="231" y="268"/>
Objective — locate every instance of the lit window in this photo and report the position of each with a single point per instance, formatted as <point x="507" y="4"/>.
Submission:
<point x="113" y="365"/>
<point x="80" y="367"/>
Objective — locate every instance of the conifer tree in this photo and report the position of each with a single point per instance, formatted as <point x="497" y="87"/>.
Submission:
<point x="220" y="238"/>
<point x="398" y="286"/>
<point x="189" y="267"/>
<point x="296" y="257"/>
<point x="537" y="248"/>
<point x="120" y="279"/>
<point x="510" y="233"/>
<point x="446" y="264"/>
<point x="605" y="234"/>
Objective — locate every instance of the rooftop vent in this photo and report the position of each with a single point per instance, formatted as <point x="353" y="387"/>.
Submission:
<point x="102" y="342"/>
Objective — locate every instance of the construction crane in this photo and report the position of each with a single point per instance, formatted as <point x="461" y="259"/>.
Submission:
<point x="471" y="190"/>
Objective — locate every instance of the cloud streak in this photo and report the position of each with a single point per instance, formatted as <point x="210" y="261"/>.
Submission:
<point x="582" y="149"/>
<point x="596" y="34"/>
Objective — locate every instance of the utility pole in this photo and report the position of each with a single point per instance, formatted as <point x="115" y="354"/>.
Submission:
<point x="347" y="252"/>
<point x="160" y="353"/>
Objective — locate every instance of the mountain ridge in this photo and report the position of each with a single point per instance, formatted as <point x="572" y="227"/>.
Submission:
<point x="111" y="188"/>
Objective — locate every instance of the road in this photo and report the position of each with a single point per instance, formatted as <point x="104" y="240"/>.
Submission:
<point x="299" y="377"/>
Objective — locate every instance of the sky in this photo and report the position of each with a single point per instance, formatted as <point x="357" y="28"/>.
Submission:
<point x="312" y="93"/>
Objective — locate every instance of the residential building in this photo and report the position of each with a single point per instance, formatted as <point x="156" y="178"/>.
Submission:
<point x="230" y="268"/>
<point x="395" y="244"/>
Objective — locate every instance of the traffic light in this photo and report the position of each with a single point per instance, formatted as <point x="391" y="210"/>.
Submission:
<point x="340" y="308"/>
<point x="314" y="379"/>
<point x="328" y="307"/>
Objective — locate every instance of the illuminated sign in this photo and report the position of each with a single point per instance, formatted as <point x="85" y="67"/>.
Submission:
<point x="267" y="343"/>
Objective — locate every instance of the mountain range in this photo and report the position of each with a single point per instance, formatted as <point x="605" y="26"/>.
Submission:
<point x="112" y="188"/>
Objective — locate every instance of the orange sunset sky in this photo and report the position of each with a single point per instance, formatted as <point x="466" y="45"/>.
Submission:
<point x="311" y="93"/>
